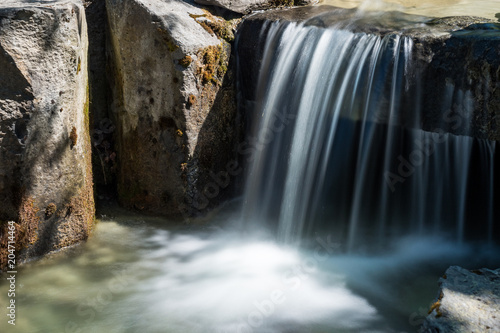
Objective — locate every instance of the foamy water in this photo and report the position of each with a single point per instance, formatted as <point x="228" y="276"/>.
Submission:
<point x="136" y="276"/>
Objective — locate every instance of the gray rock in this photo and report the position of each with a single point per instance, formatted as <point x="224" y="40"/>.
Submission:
<point x="45" y="167"/>
<point x="174" y="103"/>
<point x="247" y="6"/>
<point x="468" y="301"/>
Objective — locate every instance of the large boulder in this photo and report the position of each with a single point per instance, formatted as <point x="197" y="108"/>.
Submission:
<point x="468" y="301"/>
<point x="173" y="105"/>
<point x="45" y="168"/>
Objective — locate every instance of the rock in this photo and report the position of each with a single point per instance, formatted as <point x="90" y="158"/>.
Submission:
<point x="468" y="301"/>
<point x="247" y="6"/>
<point x="465" y="61"/>
<point x="174" y="104"/>
<point x="45" y="168"/>
<point x="456" y="55"/>
<point x="102" y="128"/>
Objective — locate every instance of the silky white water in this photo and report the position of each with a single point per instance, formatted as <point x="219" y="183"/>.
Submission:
<point x="340" y="115"/>
<point x="136" y="275"/>
<point x="370" y="259"/>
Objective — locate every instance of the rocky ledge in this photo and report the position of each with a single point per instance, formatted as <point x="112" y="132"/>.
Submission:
<point x="468" y="301"/>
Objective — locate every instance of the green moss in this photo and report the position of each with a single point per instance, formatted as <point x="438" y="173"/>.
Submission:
<point x="214" y="64"/>
<point x="186" y="61"/>
<point x="171" y="46"/>
<point x="50" y="210"/>
<point x="215" y="26"/>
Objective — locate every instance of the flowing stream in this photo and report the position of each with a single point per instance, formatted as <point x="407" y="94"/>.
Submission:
<point x="140" y="274"/>
<point x="375" y="232"/>
<point x="341" y="147"/>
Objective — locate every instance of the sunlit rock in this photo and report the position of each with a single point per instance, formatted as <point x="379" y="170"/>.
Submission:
<point x="174" y="105"/>
<point x="45" y="168"/>
<point x="468" y="301"/>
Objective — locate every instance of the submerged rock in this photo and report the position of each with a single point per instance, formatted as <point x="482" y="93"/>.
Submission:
<point x="45" y="168"/>
<point x="468" y="301"/>
<point x="174" y="104"/>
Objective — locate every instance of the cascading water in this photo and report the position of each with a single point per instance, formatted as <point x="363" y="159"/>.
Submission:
<point x="342" y="150"/>
<point x="341" y="115"/>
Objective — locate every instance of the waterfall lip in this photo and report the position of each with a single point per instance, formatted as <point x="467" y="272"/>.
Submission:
<point x="380" y="22"/>
<point x="374" y="107"/>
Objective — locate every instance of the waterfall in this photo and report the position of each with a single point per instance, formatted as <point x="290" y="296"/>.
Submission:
<point x="340" y="148"/>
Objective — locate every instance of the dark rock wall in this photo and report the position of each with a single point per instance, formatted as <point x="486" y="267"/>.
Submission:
<point x="102" y="127"/>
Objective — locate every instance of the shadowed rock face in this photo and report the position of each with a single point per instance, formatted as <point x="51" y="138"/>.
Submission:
<point x="456" y="56"/>
<point x="468" y="301"/>
<point x="173" y="104"/>
<point x="45" y="171"/>
<point x="101" y="127"/>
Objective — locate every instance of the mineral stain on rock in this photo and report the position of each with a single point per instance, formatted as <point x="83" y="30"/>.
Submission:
<point x="73" y="137"/>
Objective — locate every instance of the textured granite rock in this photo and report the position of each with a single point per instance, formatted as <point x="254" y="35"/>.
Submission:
<point x="45" y="167"/>
<point x="468" y="301"/>
<point x="174" y="103"/>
